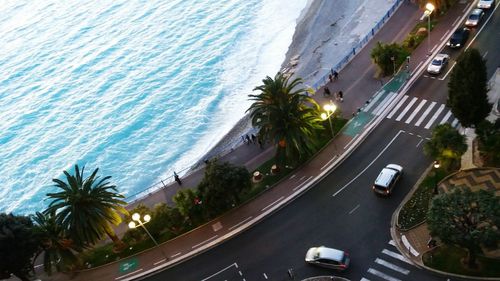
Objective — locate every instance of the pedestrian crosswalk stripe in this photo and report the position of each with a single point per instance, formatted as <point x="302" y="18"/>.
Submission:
<point x="372" y="102"/>
<point x="383" y="104"/>
<point x="406" y="109"/>
<point x="445" y="118"/>
<point x="364" y="279"/>
<point x="382" y="275"/>
<point x="395" y="255"/>
<point x="454" y="123"/>
<point x="434" y="117"/>
<point x="392" y="266"/>
<point x="412" y="115"/>
<point x="398" y="106"/>
<point x="426" y="112"/>
<point x="392" y="243"/>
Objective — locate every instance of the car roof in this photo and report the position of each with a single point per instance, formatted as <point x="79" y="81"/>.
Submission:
<point x="461" y="30"/>
<point x="440" y="56"/>
<point x="476" y="11"/>
<point x="323" y="252"/>
<point x="387" y="174"/>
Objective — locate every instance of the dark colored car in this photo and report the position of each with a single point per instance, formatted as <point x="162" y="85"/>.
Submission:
<point x="458" y="38"/>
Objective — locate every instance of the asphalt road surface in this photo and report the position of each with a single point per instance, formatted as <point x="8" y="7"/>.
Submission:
<point x="342" y="211"/>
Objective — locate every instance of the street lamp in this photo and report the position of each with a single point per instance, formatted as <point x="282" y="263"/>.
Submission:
<point x="429" y="8"/>
<point x="436" y="165"/>
<point x="137" y="218"/>
<point x="330" y="109"/>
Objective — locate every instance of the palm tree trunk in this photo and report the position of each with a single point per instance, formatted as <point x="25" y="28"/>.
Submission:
<point x="119" y="245"/>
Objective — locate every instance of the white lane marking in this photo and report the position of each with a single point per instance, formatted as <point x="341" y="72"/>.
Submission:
<point x="392" y="243"/>
<point x="375" y="99"/>
<point x="465" y="9"/>
<point x="37" y="266"/>
<point x="351" y="141"/>
<point x="355" y="208"/>
<point x="364" y="279"/>
<point x="448" y="72"/>
<point x="445" y="118"/>
<point x="426" y="112"/>
<point x="392" y="266"/>
<point x="414" y="113"/>
<point x="396" y="256"/>
<point x="225" y="268"/>
<point x="239" y="271"/>
<point x="205" y="242"/>
<point x="160" y="261"/>
<point x="328" y="163"/>
<point x="418" y="66"/>
<point x="265" y="276"/>
<point x="421" y="140"/>
<point x="455" y="22"/>
<point x="485" y="54"/>
<point x="382" y="275"/>
<point x="433" y="48"/>
<point x="292" y="176"/>
<point x="444" y="35"/>
<point x="240" y="223"/>
<point x="128" y="274"/>
<point x="268" y="206"/>
<point x="405" y="97"/>
<point x="454" y="123"/>
<point x="302" y="184"/>
<point x="301" y="178"/>
<point x="434" y="117"/>
<point x="175" y="255"/>
<point x="371" y="163"/>
<point x="382" y="105"/>
<point x="402" y="114"/>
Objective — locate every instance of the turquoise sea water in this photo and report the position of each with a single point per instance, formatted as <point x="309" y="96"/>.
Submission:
<point x="136" y="88"/>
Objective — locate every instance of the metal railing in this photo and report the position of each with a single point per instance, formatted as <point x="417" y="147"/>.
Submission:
<point x="322" y="81"/>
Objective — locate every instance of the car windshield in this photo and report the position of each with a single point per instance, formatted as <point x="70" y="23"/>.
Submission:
<point x="473" y="17"/>
<point x="457" y="35"/>
<point x="437" y="62"/>
<point x="379" y="187"/>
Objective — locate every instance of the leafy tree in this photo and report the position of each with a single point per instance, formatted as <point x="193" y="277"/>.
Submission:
<point x="165" y="219"/>
<point x="489" y="137"/>
<point x="18" y="245"/>
<point x="86" y="207"/>
<point x="287" y="117"/>
<point x="221" y="187"/>
<point x="467" y="89"/>
<point x="185" y="200"/>
<point x="467" y="219"/>
<point x="59" y="252"/>
<point x="388" y="57"/>
<point x="447" y="145"/>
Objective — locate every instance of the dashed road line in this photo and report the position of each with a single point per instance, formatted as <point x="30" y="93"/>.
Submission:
<point x="268" y="206"/>
<point x="240" y="223"/>
<point x="205" y="242"/>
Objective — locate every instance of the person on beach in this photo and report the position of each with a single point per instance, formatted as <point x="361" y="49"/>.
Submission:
<point x="177" y="179"/>
<point x="326" y="92"/>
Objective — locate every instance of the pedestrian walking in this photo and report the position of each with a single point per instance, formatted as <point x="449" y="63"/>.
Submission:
<point x="260" y="143"/>
<point x="330" y="77"/>
<point x="254" y="138"/>
<point x="248" y="139"/>
<point x="335" y="75"/>
<point x="326" y="92"/>
<point x="177" y="179"/>
<point x="341" y="96"/>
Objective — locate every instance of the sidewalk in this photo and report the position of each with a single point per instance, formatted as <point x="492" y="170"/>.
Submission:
<point x="357" y="82"/>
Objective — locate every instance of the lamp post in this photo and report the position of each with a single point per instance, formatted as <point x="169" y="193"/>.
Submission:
<point x="330" y="109"/>
<point x="137" y="218"/>
<point x="436" y="166"/>
<point x="429" y="8"/>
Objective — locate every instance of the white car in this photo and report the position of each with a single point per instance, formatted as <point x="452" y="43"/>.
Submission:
<point x="486" y="4"/>
<point x="387" y="179"/>
<point x="475" y="17"/>
<point x="438" y="63"/>
<point x="328" y="257"/>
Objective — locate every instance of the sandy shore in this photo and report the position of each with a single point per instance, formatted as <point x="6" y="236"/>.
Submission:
<point x="325" y="32"/>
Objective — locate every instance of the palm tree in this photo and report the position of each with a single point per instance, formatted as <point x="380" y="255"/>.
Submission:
<point x="86" y="208"/>
<point x="287" y="117"/>
<point x="58" y="250"/>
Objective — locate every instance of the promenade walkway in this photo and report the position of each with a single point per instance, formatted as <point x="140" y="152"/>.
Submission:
<point x="363" y="95"/>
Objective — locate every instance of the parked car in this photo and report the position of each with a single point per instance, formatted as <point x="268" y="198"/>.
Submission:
<point x="458" y="38"/>
<point x="438" y="64"/>
<point x="475" y="17"/>
<point x="328" y="257"/>
<point x="387" y="179"/>
<point x="486" y="4"/>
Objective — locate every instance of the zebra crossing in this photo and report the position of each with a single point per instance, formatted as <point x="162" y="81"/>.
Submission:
<point x="390" y="265"/>
<point x="414" y="110"/>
